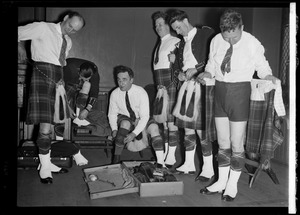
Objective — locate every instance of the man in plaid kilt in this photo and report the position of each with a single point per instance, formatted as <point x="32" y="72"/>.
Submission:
<point x="50" y="44"/>
<point x="234" y="57"/>
<point x="190" y="60"/>
<point x="166" y="80"/>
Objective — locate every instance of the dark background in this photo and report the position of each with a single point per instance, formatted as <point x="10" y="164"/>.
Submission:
<point x="125" y="35"/>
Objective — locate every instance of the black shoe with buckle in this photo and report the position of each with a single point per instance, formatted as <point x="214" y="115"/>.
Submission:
<point x="205" y="191"/>
<point x="227" y="198"/>
<point x="61" y="171"/>
<point x="47" y="180"/>
<point x="203" y="178"/>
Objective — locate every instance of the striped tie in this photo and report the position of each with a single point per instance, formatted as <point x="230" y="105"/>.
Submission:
<point x="225" y="66"/>
<point x="132" y="114"/>
<point x="62" y="56"/>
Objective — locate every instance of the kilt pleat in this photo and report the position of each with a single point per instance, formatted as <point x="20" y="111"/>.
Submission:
<point x="264" y="132"/>
<point x="42" y="93"/>
<point x="199" y="123"/>
<point x="163" y="77"/>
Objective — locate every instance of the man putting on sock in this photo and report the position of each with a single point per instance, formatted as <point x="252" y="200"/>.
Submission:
<point x="129" y="116"/>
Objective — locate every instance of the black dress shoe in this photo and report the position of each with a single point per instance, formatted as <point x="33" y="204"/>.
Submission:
<point x="47" y="180"/>
<point x="61" y="171"/>
<point x="204" y="179"/>
<point x="207" y="192"/>
<point x="227" y="198"/>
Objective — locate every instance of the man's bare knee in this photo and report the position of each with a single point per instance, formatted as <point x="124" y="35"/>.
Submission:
<point x="125" y="124"/>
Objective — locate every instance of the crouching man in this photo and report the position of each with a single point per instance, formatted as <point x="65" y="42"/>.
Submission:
<point x="129" y="116"/>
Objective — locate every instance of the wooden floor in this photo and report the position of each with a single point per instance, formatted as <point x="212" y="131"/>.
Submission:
<point x="71" y="190"/>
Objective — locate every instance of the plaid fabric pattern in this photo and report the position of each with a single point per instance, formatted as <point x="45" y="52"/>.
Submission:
<point x="71" y="92"/>
<point x="199" y="123"/>
<point x="163" y="77"/>
<point x="264" y="133"/>
<point x="42" y="93"/>
<point x="124" y="117"/>
<point x="210" y="127"/>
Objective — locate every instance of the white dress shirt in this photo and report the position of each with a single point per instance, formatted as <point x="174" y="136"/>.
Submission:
<point x="247" y="57"/>
<point x="189" y="60"/>
<point x="139" y="102"/>
<point x="167" y="45"/>
<point x="46" y="41"/>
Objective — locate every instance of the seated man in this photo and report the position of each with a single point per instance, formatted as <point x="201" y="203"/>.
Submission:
<point x="82" y="79"/>
<point x="128" y="116"/>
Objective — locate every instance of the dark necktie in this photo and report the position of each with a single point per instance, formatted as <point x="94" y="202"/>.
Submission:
<point x="132" y="114"/>
<point x="156" y="54"/>
<point x="62" y="55"/>
<point x="225" y="66"/>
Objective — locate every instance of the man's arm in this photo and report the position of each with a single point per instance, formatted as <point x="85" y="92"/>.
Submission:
<point x="144" y="112"/>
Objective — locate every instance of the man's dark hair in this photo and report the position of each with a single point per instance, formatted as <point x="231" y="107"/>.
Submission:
<point x="176" y="15"/>
<point x="160" y="14"/>
<point x="230" y="20"/>
<point x="87" y="69"/>
<point x="122" y="69"/>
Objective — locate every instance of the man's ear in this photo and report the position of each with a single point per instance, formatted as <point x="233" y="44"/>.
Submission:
<point x="185" y="21"/>
<point x="66" y="17"/>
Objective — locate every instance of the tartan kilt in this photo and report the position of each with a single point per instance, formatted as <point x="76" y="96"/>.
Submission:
<point x="199" y="123"/>
<point x="210" y="127"/>
<point x="163" y="77"/>
<point x="72" y="92"/>
<point x="172" y="93"/>
<point x="264" y="133"/>
<point x="42" y="93"/>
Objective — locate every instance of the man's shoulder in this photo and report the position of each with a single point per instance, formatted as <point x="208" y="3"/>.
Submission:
<point x="139" y="89"/>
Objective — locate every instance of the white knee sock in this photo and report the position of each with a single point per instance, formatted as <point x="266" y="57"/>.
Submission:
<point x="207" y="168"/>
<point x="223" y="178"/>
<point x="79" y="159"/>
<point x="171" y="158"/>
<point x="160" y="157"/>
<point x="189" y="164"/>
<point x="45" y="166"/>
<point x="231" y="186"/>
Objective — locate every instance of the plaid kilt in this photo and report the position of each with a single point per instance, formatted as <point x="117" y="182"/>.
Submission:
<point x="124" y="117"/>
<point x="72" y="92"/>
<point x="264" y="127"/>
<point x="210" y="127"/>
<point x="163" y="77"/>
<point x="199" y="123"/>
<point x="42" y="93"/>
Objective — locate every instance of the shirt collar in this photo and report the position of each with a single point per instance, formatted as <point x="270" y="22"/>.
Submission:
<point x="58" y="28"/>
<point x="165" y="37"/>
<point x="191" y="34"/>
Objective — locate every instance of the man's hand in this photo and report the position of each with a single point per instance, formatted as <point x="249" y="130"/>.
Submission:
<point x="190" y="73"/>
<point x="181" y="76"/>
<point x="271" y="78"/>
<point x="172" y="57"/>
<point x="83" y="114"/>
<point x="129" y="137"/>
<point x="114" y="134"/>
<point x="201" y="76"/>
